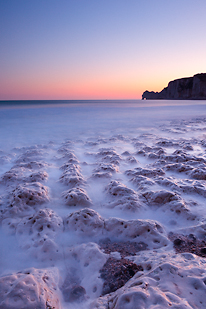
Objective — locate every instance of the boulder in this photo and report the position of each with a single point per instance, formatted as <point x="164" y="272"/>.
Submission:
<point x="30" y="289"/>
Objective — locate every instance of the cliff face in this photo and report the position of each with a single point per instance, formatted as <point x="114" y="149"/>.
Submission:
<point x="188" y="88"/>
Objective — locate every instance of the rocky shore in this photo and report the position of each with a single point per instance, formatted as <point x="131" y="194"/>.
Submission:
<point x="108" y="221"/>
<point x="188" y="88"/>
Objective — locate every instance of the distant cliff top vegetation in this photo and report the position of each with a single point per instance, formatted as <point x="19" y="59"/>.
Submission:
<point x="187" y="88"/>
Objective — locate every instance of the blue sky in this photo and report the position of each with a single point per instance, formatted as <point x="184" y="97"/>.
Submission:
<point x="76" y="49"/>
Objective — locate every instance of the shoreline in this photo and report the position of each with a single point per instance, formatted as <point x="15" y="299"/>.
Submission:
<point x="83" y="210"/>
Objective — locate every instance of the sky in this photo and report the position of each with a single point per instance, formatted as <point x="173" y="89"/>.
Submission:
<point x="98" y="49"/>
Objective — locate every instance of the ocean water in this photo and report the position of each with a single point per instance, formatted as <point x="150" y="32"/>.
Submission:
<point x="23" y="122"/>
<point x="140" y="169"/>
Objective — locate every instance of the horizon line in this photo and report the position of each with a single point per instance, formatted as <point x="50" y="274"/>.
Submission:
<point x="20" y="100"/>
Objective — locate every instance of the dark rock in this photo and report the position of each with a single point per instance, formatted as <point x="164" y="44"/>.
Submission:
<point x="116" y="273"/>
<point x="192" y="237"/>
<point x="124" y="248"/>
<point x="203" y="250"/>
<point x="178" y="242"/>
<point x="188" y="243"/>
<point x="188" y="88"/>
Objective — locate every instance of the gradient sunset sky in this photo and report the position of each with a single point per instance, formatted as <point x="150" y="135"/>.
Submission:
<point x="98" y="49"/>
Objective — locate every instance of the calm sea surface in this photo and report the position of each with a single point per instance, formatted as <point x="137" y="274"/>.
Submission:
<point x="29" y="122"/>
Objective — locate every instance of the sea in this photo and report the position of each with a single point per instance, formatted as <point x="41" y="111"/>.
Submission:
<point x="23" y="122"/>
<point x="102" y="204"/>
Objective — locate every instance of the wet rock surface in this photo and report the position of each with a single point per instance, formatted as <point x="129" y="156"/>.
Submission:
<point x="188" y="243"/>
<point x="32" y="288"/>
<point x="71" y="288"/>
<point x="116" y="273"/>
<point x="122" y="197"/>
<point x="85" y="221"/>
<point x="99" y="209"/>
<point x="76" y="197"/>
<point x="29" y="194"/>
<point x="124" y="248"/>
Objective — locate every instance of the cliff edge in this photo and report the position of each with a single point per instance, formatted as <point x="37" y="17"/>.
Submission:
<point x="188" y="88"/>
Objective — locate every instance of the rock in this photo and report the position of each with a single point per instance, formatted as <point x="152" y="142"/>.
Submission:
<point x="142" y="182"/>
<point x="71" y="169"/>
<point x="72" y="181"/>
<point x="198" y="231"/>
<point x="178" y="242"/>
<point x="126" y="153"/>
<point x="188" y="147"/>
<point x="68" y="155"/>
<point x="149" y="232"/>
<point x="203" y="250"/>
<point x="190" y="186"/>
<point x="178" y="167"/>
<point x="66" y="165"/>
<point x="188" y="243"/>
<point x="29" y="155"/>
<point x="168" y="182"/>
<point x="169" y="202"/>
<point x="106" y="152"/>
<point x="117" y="189"/>
<point x="145" y="172"/>
<point x="106" y="167"/>
<point x="164" y="142"/>
<point x="20" y="175"/>
<point x="76" y="197"/>
<point x="166" y="281"/>
<point x="116" y="273"/>
<point x="189" y="88"/>
<point x="126" y="203"/>
<point x="86" y="222"/>
<point x="89" y="223"/>
<point x="88" y="260"/>
<point x="160" y="197"/>
<point x="131" y="159"/>
<point x="104" y="170"/>
<point x="24" y="199"/>
<point x="123" y="197"/>
<point x="72" y="176"/>
<point x="198" y="173"/>
<point x="15" y="174"/>
<point x="31" y="165"/>
<point x="101" y="175"/>
<point x="44" y="222"/>
<point x="128" y="248"/>
<point x="71" y="288"/>
<point x="37" y="177"/>
<point x="108" y="155"/>
<point x="30" y="194"/>
<point x="37" y="234"/>
<point x="30" y="289"/>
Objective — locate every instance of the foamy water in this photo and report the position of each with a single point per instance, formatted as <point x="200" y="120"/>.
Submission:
<point x="103" y="204"/>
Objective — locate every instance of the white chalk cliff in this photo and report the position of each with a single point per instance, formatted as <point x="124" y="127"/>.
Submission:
<point x="188" y="88"/>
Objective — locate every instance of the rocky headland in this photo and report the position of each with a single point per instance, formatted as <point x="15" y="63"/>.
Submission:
<point x="187" y="88"/>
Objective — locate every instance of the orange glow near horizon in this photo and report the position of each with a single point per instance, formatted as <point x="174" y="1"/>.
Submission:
<point x="68" y="90"/>
<point x="51" y="93"/>
<point x="80" y="87"/>
<point x="97" y="49"/>
<point x="49" y="87"/>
